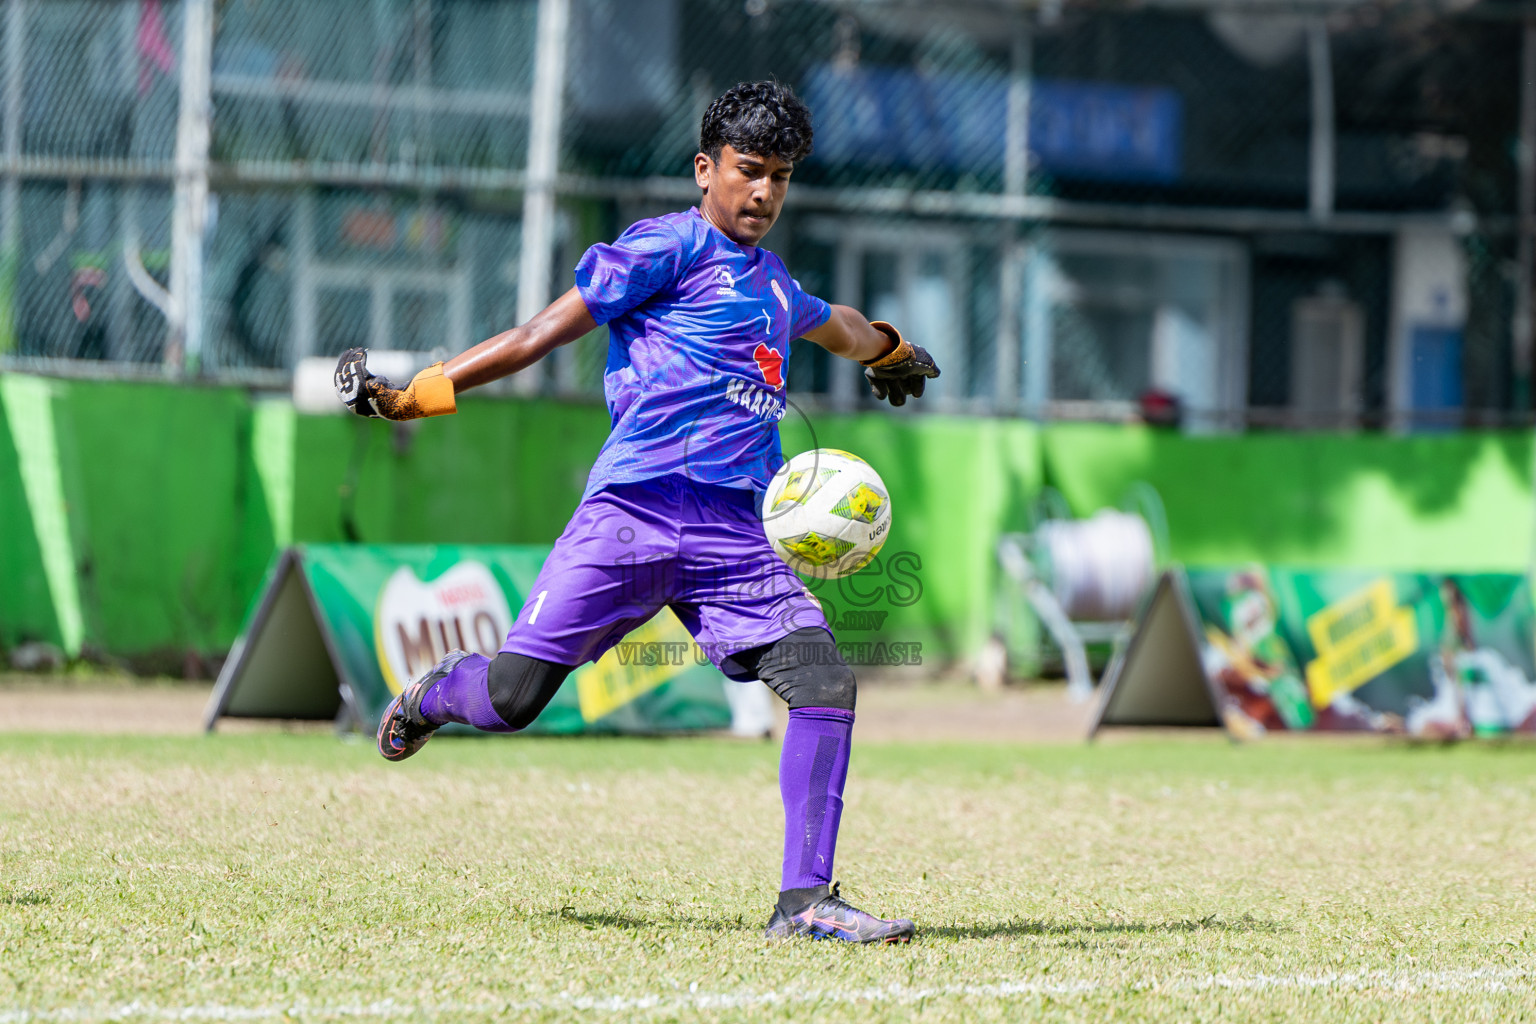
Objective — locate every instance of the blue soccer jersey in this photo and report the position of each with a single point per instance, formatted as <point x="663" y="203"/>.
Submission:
<point x="698" y="337"/>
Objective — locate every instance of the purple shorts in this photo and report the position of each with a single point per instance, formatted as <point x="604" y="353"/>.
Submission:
<point x="632" y="549"/>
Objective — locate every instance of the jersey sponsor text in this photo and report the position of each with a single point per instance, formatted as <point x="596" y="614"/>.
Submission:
<point x="754" y="399"/>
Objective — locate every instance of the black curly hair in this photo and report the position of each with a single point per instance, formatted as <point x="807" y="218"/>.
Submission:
<point x="762" y="118"/>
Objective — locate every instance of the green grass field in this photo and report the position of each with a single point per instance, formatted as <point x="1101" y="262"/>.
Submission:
<point x="270" y="876"/>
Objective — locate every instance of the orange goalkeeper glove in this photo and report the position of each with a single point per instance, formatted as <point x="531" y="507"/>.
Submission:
<point x="902" y="371"/>
<point x="429" y="393"/>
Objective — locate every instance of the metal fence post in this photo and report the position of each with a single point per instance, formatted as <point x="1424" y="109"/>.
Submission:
<point x="1010" y="296"/>
<point x="543" y="165"/>
<point x="1523" y="322"/>
<point x="10" y="192"/>
<point x="1321" y="177"/>
<point x="189" y="212"/>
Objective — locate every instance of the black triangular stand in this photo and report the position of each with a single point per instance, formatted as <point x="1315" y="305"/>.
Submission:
<point x="283" y="667"/>
<point x="1159" y="680"/>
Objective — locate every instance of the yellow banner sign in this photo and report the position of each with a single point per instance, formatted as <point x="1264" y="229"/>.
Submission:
<point x="1357" y="639"/>
<point x="646" y="658"/>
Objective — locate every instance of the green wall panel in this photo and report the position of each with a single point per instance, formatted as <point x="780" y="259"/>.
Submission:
<point x="498" y="472"/>
<point x="512" y="472"/>
<point x="175" y="498"/>
<point x="955" y="485"/>
<point x="170" y="531"/>
<point x="26" y="608"/>
<point x="1441" y="502"/>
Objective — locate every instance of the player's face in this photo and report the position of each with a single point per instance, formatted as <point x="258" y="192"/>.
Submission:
<point x="743" y="192"/>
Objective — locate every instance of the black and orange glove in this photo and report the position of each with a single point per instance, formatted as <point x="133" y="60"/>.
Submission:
<point x="902" y="371"/>
<point x="429" y="393"/>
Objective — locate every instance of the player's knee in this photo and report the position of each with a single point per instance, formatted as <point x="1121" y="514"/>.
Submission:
<point x="808" y="671"/>
<point x="521" y="686"/>
<point x="832" y="687"/>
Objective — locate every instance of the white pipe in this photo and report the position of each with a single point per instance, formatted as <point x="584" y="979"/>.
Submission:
<point x="419" y="98"/>
<point x="10" y="192"/>
<point x="189" y="212"/>
<point x="1321" y="179"/>
<point x="143" y="282"/>
<point x="1010" y="296"/>
<point x="1016" y="139"/>
<point x="15" y="69"/>
<point x="543" y="167"/>
<point x="306" y="301"/>
<point x="850" y="199"/>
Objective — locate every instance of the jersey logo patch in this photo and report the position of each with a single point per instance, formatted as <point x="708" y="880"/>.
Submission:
<point x="725" y="282"/>
<point x="770" y="363"/>
<point x="779" y="294"/>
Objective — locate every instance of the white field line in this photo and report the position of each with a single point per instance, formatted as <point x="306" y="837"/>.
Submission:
<point x="1473" y="980"/>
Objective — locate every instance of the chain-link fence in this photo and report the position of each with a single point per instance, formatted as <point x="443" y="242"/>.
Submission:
<point x="1249" y="214"/>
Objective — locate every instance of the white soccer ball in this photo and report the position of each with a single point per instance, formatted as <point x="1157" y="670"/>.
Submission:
<point x="827" y="512"/>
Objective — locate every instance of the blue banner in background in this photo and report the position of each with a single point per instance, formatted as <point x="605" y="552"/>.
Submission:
<point x="1106" y="131"/>
<point x="886" y="117"/>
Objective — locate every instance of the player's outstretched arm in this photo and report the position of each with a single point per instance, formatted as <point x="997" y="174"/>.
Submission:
<point x="559" y="323"/>
<point x="432" y="391"/>
<point x="894" y="367"/>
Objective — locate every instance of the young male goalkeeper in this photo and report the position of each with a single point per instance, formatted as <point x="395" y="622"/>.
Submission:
<point x="700" y="319"/>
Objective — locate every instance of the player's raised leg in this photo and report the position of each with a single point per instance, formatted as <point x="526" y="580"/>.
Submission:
<point x="403" y="729"/>
<point x="504" y="694"/>
<point x="608" y="573"/>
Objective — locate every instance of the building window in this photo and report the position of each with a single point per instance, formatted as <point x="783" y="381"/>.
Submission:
<point x="1110" y="316"/>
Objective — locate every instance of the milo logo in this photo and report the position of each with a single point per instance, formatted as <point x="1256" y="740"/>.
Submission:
<point x="415" y="624"/>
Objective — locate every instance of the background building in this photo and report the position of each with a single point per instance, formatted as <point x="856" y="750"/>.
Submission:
<point x="1303" y="214"/>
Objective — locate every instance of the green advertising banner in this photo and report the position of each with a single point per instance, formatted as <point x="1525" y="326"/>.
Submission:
<point x="1430" y="655"/>
<point x="341" y="628"/>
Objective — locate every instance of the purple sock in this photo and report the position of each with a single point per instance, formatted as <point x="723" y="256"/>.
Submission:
<point x="463" y="696"/>
<point x="812" y="770"/>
